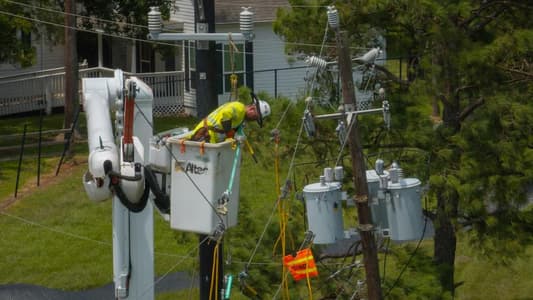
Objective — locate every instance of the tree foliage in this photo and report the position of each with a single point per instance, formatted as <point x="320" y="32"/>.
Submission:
<point x="23" y="21"/>
<point x="129" y="18"/>
<point x="466" y="106"/>
<point x="19" y="24"/>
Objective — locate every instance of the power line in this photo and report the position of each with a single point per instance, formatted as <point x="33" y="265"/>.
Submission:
<point x="84" y="238"/>
<point x="53" y="229"/>
<point x="142" y="26"/>
<point x="83" y="30"/>
<point x="276" y="6"/>
<point x="104" y="33"/>
<point x="75" y="15"/>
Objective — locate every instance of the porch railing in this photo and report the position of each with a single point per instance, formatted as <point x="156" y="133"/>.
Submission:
<point x="45" y="90"/>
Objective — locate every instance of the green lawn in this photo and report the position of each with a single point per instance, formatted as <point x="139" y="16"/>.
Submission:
<point x="57" y="238"/>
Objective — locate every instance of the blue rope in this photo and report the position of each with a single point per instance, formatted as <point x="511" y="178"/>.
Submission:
<point x="235" y="162"/>
<point x="228" y="287"/>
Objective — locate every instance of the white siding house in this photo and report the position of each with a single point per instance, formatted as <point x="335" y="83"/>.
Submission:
<point x="184" y="14"/>
<point x="261" y="65"/>
<point x="267" y="51"/>
<point x="47" y="57"/>
<point x="271" y="65"/>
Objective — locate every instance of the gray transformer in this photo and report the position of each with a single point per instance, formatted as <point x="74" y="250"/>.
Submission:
<point x="376" y="200"/>
<point x="395" y="204"/>
<point x="323" y="202"/>
<point x="404" y="210"/>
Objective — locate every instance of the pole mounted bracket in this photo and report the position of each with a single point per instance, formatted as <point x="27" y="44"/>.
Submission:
<point x="360" y="198"/>
<point x="366" y="227"/>
<point x="155" y="29"/>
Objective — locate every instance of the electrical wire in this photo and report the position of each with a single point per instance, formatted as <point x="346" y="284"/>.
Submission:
<point x="239" y="4"/>
<point x="145" y="116"/>
<point x="255" y="53"/>
<point x="79" y="237"/>
<point x="174" y="266"/>
<point x="75" y="15"/>
<point x="84" y="238"/>
<point x="346" y="138"/>
<point x="408" y="261"/>
<point x="304" y="242"/>
<point x="119" y="23"/>
<point x="85" y="30"/>
<point x="385" y="261"/>
<point x="135" y="25"/>
<point x="283" y="282"/>
<point x="262" y="235"/>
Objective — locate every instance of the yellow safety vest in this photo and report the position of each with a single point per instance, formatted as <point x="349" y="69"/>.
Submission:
<point x="234" y="111"/>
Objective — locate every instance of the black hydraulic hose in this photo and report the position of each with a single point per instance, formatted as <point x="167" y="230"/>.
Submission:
<point x="136" y="177"/>
<point x="133" y="207"/>
<point x="161" y="200"/>
<point x="117" y="188"/>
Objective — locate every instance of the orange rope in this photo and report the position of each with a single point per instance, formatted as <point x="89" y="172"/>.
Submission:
<point x="182" y="146"/>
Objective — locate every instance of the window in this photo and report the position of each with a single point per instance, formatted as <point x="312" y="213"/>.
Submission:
<point x="25" y="38"/>
<point x="146" y="57"/>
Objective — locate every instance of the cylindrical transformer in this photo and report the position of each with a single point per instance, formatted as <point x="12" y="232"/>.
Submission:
<point x="377" y="204"/>
<point x="404" y="210"/>
<point x="324" y="211"/>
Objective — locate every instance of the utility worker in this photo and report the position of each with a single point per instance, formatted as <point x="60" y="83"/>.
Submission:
<point x="223" y="122"/>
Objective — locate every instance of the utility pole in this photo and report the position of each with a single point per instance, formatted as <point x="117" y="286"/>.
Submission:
<point x="71" y="65"/>
<point x="207" y="101"/>
<point x="359" y="170"/>
<point x="206" y="95"/>
<point x="207" y="262"/>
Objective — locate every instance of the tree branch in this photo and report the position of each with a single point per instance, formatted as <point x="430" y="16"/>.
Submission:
<point x="470" y="109"/>
<point x="390" y="75"/>
<point x="464" y="87"/>
<point x="516" y="71"/>
<point x="476" y="13"/>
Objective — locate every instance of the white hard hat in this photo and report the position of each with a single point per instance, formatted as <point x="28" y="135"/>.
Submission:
<point x="263" y="108"/>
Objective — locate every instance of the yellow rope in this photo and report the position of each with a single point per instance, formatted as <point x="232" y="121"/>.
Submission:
<point x="283" y="218"/>
<point x="308" y="280"/>
<point x="234" y="79"/>
<point x="214" y="274"/>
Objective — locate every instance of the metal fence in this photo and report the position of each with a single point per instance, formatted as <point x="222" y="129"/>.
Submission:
<point x="45" y="89"/>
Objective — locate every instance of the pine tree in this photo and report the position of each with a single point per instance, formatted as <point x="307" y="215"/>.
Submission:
<point x="470" y="70"/>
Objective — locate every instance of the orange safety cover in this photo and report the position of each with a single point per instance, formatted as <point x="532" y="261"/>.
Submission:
<point x="302" y="265"/>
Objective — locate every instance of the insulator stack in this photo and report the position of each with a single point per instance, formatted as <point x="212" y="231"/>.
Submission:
<point x="316" y="62"/>
<point x="154" y="20"/>
<point x="246" y="21"/>
<point x="333" y="17"/>
<point x="379" y="166"/>
<point x="396" y="173"/>
<point x="339" y="173"/>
